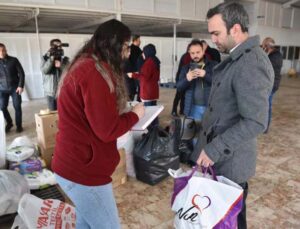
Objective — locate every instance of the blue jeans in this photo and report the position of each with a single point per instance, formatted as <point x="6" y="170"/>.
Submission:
<point x="197" y="114"/>
<point x="95" y="205"/>
<point x="17" y="101"/>
<point x="270" y="111"/>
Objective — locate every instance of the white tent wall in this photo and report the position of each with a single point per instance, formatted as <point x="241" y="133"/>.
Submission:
<point x="25" y="47"/>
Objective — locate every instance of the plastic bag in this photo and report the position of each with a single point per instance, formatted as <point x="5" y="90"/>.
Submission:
<point x="39" y="180"/>
<point x="153" y="156"/>
<point x="20" y="149"/>
<point x="49" y="213"/>
<point x="203" y="202"/>
<point x="12" y="187"/>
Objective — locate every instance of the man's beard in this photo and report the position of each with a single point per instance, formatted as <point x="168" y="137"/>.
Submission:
<point x="198" y="60"/>
<point x="226" y="47"/>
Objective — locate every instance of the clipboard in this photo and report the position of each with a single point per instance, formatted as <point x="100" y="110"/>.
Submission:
<point x="151" y="112"/>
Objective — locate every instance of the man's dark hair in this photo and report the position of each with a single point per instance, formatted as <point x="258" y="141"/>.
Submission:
<point x="135" y="37"/>
<point x="2" y="45"/>
<point x="54" y="40"/>
<point x="195" y="42"/>
<point x="232" y="13"/>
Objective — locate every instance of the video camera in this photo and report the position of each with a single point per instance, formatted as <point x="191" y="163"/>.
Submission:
<point x="57" y="52"/>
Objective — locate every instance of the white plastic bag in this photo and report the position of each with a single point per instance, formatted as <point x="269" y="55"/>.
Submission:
<point x="50" y="213"/>
<point x="37" y="180"/>
<point x="12" y="187"/>
<point x="20" y="149"/>
<point x="201" y="202"/>
<point x="2" y="141"/>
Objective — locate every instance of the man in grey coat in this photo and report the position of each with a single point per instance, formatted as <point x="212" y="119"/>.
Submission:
<point x="238" y="104"/>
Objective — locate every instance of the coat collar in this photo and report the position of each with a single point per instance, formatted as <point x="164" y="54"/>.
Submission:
<point x="250" y="43"/>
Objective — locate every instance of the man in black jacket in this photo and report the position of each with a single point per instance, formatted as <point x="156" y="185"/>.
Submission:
<point x="211" y="53"/>
<point x="276" y="60"/>
<point x="12" y="80"/>
<point x="134" y="64"/>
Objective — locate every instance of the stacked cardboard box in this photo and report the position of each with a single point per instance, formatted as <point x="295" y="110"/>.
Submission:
<point x="119" y="177"/>
<point x="46" y="128"/>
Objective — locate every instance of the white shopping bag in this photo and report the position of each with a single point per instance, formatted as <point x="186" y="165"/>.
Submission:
<point x="206" y="203"/>
<point x="12" y="187"/>
<point x="49" y="213"/>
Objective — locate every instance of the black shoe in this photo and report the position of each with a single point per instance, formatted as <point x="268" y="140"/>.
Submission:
<point x="8" y="127"/>
<point x="19" y="129"/>
<point x="174" y="114"/>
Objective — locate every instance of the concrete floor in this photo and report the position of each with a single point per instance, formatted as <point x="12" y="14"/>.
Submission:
<point x="274" y="193"/>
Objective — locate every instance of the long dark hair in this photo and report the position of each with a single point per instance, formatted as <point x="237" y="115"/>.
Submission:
<point x="106" y="45"/>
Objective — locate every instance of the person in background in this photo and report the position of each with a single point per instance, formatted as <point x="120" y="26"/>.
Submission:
<point x="179" y="96"/>
<point x="149" y="77"/>
<point x="53" y="64"/>
<point x="238" y="104"/>
<point x="195" y="81"/>
<point x="133" y="65"/>
<point x="211" y="53"/>
<point x="12" y="79"/>
<point x="91" y="107"/>
<point x="276" y="59"/>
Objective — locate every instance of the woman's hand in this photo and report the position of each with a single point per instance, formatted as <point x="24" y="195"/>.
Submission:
<point x="139" y="109"/>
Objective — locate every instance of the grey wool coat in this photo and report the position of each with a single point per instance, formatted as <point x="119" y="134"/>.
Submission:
<point x="237" y="111"/>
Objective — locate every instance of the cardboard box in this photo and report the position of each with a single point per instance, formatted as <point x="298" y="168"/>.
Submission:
<point x="47" y="154"/>
<point x="119" y="176"/>
<point x="46" y="128"/>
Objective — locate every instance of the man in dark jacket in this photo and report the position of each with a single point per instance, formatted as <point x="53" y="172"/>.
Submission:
<point x="238" y="103"/>
<point x="179" y="96"/>
<point x="211" y="53"/>
<point x="195" y="80"/>
<point x="12" y="80"/>
<point x="133" y="64"/>
<point x="276" y="59"/>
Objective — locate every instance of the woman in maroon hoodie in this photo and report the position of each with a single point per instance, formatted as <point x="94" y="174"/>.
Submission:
<point x="91" y="105"/>
<point x="149" y="77"/>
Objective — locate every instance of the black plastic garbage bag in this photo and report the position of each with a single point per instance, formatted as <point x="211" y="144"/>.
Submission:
<point x="153" y="156"/>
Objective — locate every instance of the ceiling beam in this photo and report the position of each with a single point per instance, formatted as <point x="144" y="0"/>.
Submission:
<point x="30" y="16"/>
<point x="92" y="22"/>
<point x="289" y="3"/>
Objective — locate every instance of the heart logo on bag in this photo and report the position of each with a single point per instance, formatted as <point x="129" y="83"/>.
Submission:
<point x="201" y="202"/>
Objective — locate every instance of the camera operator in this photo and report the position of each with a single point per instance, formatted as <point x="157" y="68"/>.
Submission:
<point x="53" y="64"/>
